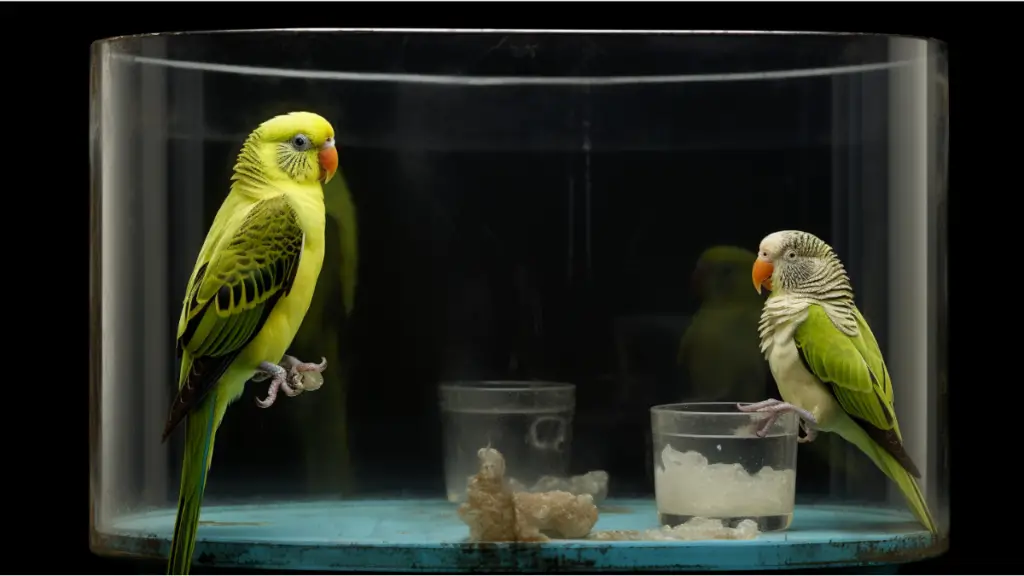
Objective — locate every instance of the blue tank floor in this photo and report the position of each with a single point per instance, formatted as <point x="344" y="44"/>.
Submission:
<point x="427" y="536"/>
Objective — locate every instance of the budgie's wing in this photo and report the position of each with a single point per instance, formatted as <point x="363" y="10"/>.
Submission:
<point x="232" y="295"/>
<point x="854" y="368"/>
<point x="873" y="355"/>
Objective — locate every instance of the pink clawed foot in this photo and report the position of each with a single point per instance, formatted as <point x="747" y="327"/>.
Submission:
<point x="757" y="406"/>
<point x="774" y="408"/>
<point x="278" y="380"/>
<point x="295" y="369"/>
<point x="287" y="377"/>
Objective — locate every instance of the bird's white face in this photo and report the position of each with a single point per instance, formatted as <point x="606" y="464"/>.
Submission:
<point x="773" y="248"/>
<point x="791" y="260"/>
<point x="772" y="244"/>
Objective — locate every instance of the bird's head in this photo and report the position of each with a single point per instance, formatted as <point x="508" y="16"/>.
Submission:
<point x="791" y="260"/>
<point x="300" y="145"/>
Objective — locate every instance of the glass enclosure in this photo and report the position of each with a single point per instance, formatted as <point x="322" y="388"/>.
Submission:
<point x="515" y="207"/>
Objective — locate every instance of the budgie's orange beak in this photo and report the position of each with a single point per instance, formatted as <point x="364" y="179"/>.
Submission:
<point x="328" y="161"/>
<point x="762" y="274"/>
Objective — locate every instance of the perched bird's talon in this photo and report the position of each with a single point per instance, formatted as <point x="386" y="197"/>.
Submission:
<point x="286" y="377"/>
<point x="757" y="406"/>
<point x="311" y="366"/>
<point x="289" y="391"/>
<point x="810" y="433"/>
<point x="278" y="376"/>
<point x="762" y="430"/>
<point x="775" y="408"/>
<point x="298" y="369"/>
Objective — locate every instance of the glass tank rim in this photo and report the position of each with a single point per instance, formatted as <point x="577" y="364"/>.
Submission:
<point x="108" y="47"/>
<point x="675" y="409"/>
<point x="539" y="386"/>
<point x="467" y="31"/>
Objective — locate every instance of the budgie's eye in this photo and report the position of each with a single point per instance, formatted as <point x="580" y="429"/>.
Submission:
<point x="301" y="142"/>
<point x="791" y="254"/>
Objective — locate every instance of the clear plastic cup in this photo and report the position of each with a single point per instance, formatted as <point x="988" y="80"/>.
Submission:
<point x="529" y="422"/>
<point x="709" y="462"/>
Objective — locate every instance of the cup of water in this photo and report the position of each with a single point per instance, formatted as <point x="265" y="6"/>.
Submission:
<point x="709" y="462"/>
<point x="529" y="422"/>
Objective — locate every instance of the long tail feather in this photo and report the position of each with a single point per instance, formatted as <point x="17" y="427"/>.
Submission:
<point x="200" y="432"/>
<point x="892" y="468"/>
<point x="909" y="487"/>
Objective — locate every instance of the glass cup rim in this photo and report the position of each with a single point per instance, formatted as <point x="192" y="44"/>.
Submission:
<point x="677" y="408"/>
<point x="506" y="386"/>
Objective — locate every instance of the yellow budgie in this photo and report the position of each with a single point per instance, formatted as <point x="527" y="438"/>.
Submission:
<point x="251" y="287"/>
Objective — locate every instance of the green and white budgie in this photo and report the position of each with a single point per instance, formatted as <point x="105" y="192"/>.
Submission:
<point x="249" y="292"/>
<point x="825" y="359"/>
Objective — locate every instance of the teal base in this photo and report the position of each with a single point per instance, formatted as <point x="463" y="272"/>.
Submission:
<point x="427" y="536"/>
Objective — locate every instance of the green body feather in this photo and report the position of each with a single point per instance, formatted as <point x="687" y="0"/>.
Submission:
<point x="853" y="365"/>
<point x="200" y="432"/>
<point x="856" y="372"/>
